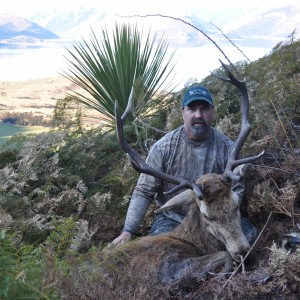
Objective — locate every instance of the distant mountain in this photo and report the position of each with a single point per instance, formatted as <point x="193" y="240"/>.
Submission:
<point x="78" y="23"/>
<point x="260" y="28"/>
<point x="16" y="28"/>
<point x="255" y="29"/>
<point x="68" y="22"/>
<point x="274" y="23"/>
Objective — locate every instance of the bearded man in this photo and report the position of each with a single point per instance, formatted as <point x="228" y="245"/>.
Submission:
<point x="190" y="151"/>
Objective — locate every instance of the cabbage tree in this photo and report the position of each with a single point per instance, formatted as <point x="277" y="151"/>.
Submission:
<point x="106" y="68"/>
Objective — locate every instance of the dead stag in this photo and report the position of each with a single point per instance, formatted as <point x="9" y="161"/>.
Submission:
<point x="210" y="237"/>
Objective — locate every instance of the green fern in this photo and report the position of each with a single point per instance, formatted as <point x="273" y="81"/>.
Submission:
<point x="21" y="269"/>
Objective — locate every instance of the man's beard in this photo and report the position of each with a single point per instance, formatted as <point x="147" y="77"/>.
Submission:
<point x="199" y="133"/>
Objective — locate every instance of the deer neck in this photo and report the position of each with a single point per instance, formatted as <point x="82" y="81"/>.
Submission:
<point x="192" y="230"/>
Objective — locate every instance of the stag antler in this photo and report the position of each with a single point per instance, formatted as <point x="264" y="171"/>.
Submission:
<point x="139" y="164"/>
<point x="245" y="129"/>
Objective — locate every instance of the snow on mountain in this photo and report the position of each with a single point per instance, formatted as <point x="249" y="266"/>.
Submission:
<point x="68" y="22"/>
<point x="12" y="27"/>
<point x="78" y="23"/>
<point x="261" y="28"/>
<point x="274" y="23"/>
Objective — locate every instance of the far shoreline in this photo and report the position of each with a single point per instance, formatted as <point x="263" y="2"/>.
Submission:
<point x="7" y="131"/>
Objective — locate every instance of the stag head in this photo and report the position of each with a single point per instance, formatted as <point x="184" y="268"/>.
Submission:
<point x="220" y="214"/>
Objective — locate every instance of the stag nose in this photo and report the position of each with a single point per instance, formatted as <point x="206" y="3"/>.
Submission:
<point x="240" y="251"/>
<point x="238" y="247"/>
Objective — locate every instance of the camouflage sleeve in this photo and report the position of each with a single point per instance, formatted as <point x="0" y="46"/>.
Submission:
<point x="136" y="211"/>
<point x="143" y="193"/>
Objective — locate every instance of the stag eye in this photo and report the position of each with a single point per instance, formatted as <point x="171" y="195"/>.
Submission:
<point x="203" y="187"/>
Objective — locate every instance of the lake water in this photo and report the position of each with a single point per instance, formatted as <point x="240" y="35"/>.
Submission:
<point x="24" y="64"/>
<point x="8" y="130"/>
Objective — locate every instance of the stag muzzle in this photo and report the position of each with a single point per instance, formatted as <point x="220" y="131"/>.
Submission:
<point x="238" y="249"/>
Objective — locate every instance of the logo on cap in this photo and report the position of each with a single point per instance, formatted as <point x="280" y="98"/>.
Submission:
<point x="198" y="91"/>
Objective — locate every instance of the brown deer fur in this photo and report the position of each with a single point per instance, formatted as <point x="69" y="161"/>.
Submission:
<point x="208" y="239"/>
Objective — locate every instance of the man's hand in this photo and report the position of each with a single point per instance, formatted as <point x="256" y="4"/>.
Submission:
<point x="123" y="238"/>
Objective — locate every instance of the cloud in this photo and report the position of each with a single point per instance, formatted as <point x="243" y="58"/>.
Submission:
<point x="174" y="7"/>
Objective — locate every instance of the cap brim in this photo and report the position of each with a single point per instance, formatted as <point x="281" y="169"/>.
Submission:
<point x="191" y="99"/>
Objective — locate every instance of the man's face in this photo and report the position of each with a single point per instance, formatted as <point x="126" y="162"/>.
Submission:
<point x="197" y="119"/>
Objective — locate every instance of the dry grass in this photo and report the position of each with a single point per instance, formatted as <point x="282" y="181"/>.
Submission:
<point x="39" y="97"/>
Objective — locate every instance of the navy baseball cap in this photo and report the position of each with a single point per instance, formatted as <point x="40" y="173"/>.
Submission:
<point x="196" y="92"/>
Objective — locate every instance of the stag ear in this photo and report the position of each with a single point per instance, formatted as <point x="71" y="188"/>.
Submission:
<point x="241" y="170"/>
<point x="238" y="187"/>
<point x="236" y="197"/>
<point x="185" y="198"/>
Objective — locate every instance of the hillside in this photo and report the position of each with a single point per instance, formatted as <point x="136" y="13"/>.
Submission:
<point x="38" y="96"/>
<point x="63" y="196"/>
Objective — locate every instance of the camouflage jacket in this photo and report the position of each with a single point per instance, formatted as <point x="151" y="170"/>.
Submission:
<point x="177" y="155"/>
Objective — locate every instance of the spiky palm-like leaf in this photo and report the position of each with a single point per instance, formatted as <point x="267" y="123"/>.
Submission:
<point x="108" y="67"/>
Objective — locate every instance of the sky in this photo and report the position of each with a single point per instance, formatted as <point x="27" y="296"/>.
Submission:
<point x="141" y="6"/>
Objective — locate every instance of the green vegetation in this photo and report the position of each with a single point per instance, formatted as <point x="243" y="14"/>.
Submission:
<point x="68" y="114"/>
<point x="25" y="119"/>
<point x="23" y="266"/>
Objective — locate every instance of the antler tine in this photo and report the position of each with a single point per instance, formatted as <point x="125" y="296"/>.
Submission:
<point x="245" y="129"/>
<point x="139" y="164"/>
<point x="128" y="107"/>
